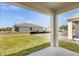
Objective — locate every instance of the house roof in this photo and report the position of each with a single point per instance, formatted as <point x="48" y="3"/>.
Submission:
<point x="27" y="25"/>
<point x="74" y="18"/>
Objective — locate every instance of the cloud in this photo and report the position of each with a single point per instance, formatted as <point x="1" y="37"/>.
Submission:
<point x="8" y="6"/>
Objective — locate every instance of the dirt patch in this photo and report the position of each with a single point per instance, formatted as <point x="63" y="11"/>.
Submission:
<point x="7" y="33"/>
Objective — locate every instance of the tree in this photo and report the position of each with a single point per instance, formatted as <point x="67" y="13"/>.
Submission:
<point x="2" y="29"/>
<point x="16" y="27"/>
<point x="8" y="28"/>
<point x="64" y="27"/>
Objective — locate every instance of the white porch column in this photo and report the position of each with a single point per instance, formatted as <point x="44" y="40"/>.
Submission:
<point x="13" y="29"/>
<point x="70" y="32"/>
<point x="54" y="30"/>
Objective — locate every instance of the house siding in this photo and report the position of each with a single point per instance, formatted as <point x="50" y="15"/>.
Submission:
<point x="23" y="29"/>
<point x="30" y="29"/>
<point x="37" y="29"/>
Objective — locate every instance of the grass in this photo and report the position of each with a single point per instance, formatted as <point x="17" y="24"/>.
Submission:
<point x="22" y="44"/>
<point x="69" y="45"/>
<point x="16" y="45"/>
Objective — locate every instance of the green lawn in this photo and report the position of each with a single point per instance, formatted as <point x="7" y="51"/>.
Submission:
<point x="21" y="44"/>
<point x="69" y="45"/>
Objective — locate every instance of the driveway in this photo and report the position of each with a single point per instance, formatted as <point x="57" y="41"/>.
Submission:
<point x="62" y="35"/>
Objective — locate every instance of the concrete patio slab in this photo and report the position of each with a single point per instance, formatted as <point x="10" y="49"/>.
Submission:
<point x="54" y="51"/>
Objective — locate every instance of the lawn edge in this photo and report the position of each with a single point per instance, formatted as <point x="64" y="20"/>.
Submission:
<point x="30" y="50"/>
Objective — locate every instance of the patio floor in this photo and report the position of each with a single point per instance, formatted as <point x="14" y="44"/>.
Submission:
<point x="54" y="51"/>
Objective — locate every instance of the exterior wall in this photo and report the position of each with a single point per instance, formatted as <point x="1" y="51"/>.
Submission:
<point x="37" y="29"/>
<point x="28" y="29"/>
<point x="23" y="29"/>
<point x="77" y="30"/>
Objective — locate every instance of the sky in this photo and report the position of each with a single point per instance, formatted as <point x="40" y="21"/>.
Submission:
<point x="62" y="18"/>
<point x="10" y="15"/>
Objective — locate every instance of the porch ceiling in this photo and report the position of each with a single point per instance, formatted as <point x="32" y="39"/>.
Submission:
<point x="48" y="7"/>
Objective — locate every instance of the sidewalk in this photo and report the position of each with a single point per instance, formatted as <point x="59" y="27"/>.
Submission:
<point x="54" y="51"/>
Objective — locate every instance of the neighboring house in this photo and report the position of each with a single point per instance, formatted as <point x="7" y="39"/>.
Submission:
<point x="73" y="21"/>
<point x="48" y="29"/>
<point x="27" y="27"/>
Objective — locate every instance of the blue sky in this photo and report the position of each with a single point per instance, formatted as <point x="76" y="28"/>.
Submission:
<point x="63" y="17"/>
<point x="10" y="15"/>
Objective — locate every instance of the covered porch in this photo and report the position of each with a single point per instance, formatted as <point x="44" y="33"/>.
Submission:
<point x="53" y="9"/>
